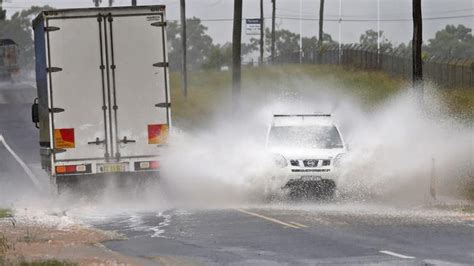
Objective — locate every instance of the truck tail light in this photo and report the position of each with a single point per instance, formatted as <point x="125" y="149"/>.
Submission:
<point x="74" y="169"/>
<point x="147" y="165"/>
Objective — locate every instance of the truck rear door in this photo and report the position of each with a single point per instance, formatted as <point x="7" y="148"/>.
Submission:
<point x="78" y="95"/>
<point x="108" y="84"/>
<point x="139" y="83"/>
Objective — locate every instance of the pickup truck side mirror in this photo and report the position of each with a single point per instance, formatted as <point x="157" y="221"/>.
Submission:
<point x="35" y="113"/>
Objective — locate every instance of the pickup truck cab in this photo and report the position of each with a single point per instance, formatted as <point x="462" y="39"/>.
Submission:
<point x="307" y="150"/>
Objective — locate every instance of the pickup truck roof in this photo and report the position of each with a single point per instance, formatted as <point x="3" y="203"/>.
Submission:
<point x="281" y="120"/>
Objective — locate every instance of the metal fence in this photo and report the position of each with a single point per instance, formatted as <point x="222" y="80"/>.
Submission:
<point x="446" y="72"/>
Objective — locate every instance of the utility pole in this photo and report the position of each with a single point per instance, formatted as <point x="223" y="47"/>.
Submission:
<point x="111" y="3"/>
<point x="378" y="34"/>
<point x="340" y="32"/>
<point x="236" y="52"/>
<point x="262" y="30"/>
<point x="3" y="12"/>
<point x="134" y="2"/>
<point x="184" y="47"/>
<point x="321" y="31"/>
<point x="97" y="2"/>
<point x="273" y="30"/>
<point x="301" y="31"/>
<point x="417" y="43"/>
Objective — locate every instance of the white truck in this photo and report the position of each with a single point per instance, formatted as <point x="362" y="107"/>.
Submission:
<point x="103" y="105"/>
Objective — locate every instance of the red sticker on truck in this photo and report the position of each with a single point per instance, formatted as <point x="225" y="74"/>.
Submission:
<point x="157" y="134"/>
<point x="64" y="138"/>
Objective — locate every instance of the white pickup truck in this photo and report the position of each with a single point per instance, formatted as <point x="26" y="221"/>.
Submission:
<point x="103" y="105"/>
<point x="307" y="150"/>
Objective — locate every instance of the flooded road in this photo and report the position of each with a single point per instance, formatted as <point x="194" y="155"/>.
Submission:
<point x="159" y="231"/>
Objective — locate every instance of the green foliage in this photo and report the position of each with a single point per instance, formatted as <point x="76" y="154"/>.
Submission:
<point x="19" y="29"/>
<point x="452" y="42"/>
<point x="370" y="37"/>
<point x="200" y="44"/>
<point x="287" y="42"/>
<point x="202" y="52"/>
<point x="4" y="245"/>
<point x="221" y="55"/>
<point x="311" y="44"/>
<point x="210" y="91"/>
<point x="5" y="213"/>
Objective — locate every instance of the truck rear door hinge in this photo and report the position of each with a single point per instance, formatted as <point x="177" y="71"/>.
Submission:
<point x="159" y="24"/>
<point x="53" y="69"/>
<point x="56" y="110"/>
<point x="51" y="28"/>
<point x="161" y="64"/>
<point x="56" y="150"/>
<point x="163" y="105"/>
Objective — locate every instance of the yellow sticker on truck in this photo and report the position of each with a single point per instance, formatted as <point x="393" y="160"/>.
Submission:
<point x="64" y="138"/>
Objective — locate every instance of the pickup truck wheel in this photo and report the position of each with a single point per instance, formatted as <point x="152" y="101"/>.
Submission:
<point x="327" y="189"/>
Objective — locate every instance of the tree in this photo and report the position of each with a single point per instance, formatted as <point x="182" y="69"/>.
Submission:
<point x="370" y="37"/>
<point x="19" y="29"/>
<point x="452" y="42"/>
<point x="221" y="55"/>
<point x="312" y="46"/>
<point x="287" y="42"/>
<point x="200" y="44"/>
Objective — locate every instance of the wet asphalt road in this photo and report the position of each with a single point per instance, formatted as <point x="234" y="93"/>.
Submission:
<point x="303" y="235"/>
<point x="343" y="233"/>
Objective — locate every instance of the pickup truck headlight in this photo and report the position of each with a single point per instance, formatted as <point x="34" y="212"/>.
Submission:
<point x="280" y="160"/>
<point x="338" y="160"/>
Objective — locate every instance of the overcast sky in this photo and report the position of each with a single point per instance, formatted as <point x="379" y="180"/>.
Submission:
<point x="398" y="28"/>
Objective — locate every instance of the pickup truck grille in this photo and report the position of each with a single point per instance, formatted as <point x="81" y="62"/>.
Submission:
<point x="310" y="163"/>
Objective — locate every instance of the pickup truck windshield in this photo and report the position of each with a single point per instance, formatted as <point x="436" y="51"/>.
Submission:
<point x="315" y="137"/>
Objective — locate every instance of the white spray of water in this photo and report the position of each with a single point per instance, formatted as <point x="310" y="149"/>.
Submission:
<point x="392" y="149"/>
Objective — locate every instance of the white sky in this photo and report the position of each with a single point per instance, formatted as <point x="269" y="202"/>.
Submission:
<point x="221" y="31"/>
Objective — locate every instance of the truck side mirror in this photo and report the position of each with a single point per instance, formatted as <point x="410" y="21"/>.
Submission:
<point x="35" y="113"/>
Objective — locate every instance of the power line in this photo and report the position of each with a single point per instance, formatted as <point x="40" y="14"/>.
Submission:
<point x="373" y="19"/>
<point x="337" y="20"/>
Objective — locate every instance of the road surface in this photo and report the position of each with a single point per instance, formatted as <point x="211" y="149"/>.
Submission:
<point x="340" y="232"/>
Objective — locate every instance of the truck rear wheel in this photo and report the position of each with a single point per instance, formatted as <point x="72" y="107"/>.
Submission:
<point x="91" y="185"/>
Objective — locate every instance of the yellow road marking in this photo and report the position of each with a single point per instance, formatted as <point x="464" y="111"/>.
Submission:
<point x="298" y="224"/>
<point x="269" y="219"/>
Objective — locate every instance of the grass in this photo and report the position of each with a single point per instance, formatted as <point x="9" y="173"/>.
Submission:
<point x="209" y="92"/>
<point x="5" y="213"/>
<point x="47" y="263"/>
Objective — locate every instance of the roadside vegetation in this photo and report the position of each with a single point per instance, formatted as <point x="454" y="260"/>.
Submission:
<point x="5" y="213"/>
<point x="210" y="92"/>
